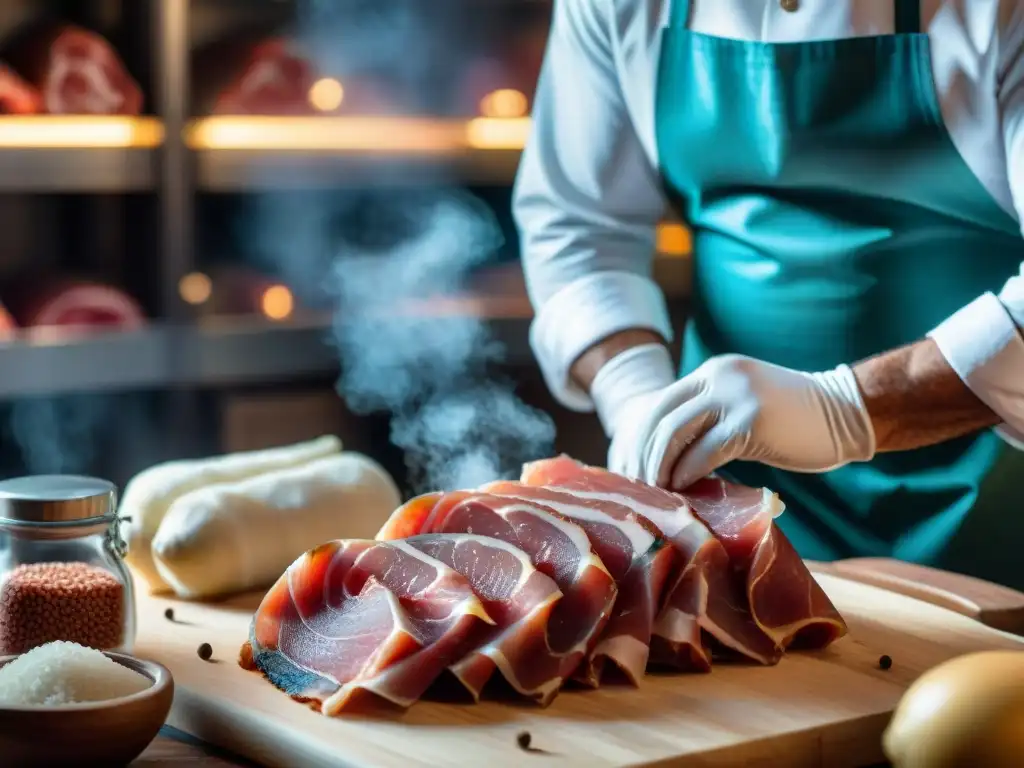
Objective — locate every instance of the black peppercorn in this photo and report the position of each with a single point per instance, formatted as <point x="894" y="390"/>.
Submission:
<point x="205" y="652"/>
<point x="169" y="614"/>
<point x="885" y="662"/>
<point x="523" y="740"/>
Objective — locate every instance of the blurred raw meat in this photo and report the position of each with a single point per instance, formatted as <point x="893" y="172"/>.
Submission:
<point x="76" y="72"/>
<point x="272" y="76"/>
<point x="7" y="325"/>
<point x="274" y="80"/>
<point x="76" y="303"/>
<point x="16" y="96"/>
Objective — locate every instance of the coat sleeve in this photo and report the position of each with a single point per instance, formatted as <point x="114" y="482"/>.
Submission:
<point x="587" y="202"/>
<point x="983" y="342"/>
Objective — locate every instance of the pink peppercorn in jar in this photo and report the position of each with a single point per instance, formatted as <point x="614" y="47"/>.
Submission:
<point x="62" y="570"/>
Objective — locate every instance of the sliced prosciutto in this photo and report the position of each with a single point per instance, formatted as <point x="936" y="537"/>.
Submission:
<point x="556" y="546"/>
<point x="517" y="596"/>
<point x="353" y="620"/>
<point x="637" y="558"/>
<point x="786" y="601"/>
<point x="704" y="599"/>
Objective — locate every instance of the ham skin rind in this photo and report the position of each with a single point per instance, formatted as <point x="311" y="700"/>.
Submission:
<point x="636" y="557"/>
<point x="353" y="621"/>
<point x="556" y="546"/>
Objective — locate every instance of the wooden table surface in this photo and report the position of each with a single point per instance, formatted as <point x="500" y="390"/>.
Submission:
<point x="174" y="748"/>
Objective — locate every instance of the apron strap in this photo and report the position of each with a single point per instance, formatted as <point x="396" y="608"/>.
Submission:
<point x="908" y="17"/>
<point x="679" y="15"/>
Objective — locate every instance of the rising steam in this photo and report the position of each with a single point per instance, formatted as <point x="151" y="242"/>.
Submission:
<point x="458" y="422"/>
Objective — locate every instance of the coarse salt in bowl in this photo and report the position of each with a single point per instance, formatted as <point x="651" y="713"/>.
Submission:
<point x="63" y="704"/>
<point x="62" y="673"/>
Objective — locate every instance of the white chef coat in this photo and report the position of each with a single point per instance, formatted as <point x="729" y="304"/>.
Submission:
<point x="588" y="197"/>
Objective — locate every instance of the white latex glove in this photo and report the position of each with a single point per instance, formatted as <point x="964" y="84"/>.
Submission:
<point x="736" y="408"/>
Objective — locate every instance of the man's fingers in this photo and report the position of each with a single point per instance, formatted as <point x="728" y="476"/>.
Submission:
<point x="671" y="439"/>
<point x="702" y="457"/>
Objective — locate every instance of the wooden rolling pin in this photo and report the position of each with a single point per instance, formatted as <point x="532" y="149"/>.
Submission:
<point x="993" y="605"/>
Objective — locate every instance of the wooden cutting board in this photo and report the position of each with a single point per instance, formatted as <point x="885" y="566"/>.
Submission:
<point x="827" y="708"/>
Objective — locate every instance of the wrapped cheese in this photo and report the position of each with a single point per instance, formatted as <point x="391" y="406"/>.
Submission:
<point x="235" y="537"/>
<point x="149" y="494"/>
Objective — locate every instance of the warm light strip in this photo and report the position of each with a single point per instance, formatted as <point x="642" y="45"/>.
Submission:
<point x="397" y="135"/>
<point x="497" y="132"/>
<point x="70" y="132"/>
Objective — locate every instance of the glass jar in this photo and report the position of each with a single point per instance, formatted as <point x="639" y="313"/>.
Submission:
<point x="62" y="570"/>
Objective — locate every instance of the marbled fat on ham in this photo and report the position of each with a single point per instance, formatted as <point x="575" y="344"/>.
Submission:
<point x="517" y="596"/>
<point x="781" y="598"/>
<point x="556" y="546"/>
<point x="637" y="558"/>
<point x="352" y="618"/>
<point x="703" y="598"/>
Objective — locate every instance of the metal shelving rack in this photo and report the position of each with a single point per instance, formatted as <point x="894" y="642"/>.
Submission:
<point x="167" y="155"/>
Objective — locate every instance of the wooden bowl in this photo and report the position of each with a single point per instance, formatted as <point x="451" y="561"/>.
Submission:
<point x="107" y="733"/>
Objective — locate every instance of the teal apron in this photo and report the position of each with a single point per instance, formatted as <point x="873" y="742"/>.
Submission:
<point x="833" y="219"/>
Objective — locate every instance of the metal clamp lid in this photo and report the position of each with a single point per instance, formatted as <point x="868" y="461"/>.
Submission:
<point x="56" y="499"/>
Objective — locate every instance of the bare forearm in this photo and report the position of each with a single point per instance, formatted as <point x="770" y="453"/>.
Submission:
<point x="915" y="399"/>
<point x="590" y="362"/>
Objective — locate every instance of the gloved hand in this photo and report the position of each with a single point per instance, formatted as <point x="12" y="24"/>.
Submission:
<point x="731" y="408"/>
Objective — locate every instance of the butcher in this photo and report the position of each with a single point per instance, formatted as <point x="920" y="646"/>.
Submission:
<point x="852" y="172"/>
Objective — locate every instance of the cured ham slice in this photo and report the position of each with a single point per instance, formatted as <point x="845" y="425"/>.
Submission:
<point x="704" y="600"/>
<point x="517" y="596"/>
<point x="786" y="601"/>
<point x="556" y="546"/>
<point x="356" y="619"/>
<point x="637" y="558"/>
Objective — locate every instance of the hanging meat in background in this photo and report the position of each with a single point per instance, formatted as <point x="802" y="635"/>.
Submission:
<point x="272" y="76"/>
<point x="269" y="77"/>
<point x="75" y="71"/>
<point x="8" y="328"/>
<point x="16" y="96"/>
<point x="76" y="304"/>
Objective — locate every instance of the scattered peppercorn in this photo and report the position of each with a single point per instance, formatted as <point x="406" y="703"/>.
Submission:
<point x="169" y="614"/>
<point x="205" y="652"/>
<point x="885" y="662"/>
<point x="523" y="740"/>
